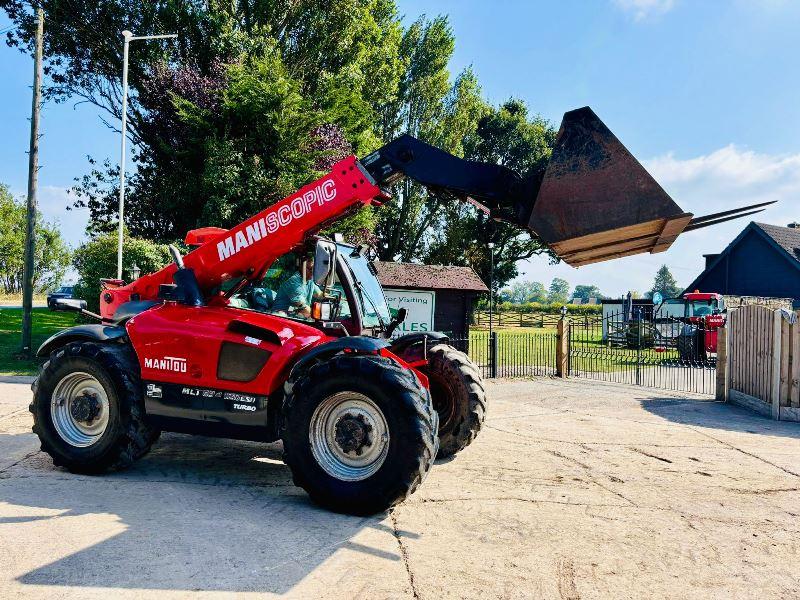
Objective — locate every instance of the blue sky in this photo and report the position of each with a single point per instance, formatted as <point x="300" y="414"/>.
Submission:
<point x="705" y="93"/>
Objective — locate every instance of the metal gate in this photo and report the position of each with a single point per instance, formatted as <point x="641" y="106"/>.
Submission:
<point x="510" y="354"/>
<point x="641" y="350"/>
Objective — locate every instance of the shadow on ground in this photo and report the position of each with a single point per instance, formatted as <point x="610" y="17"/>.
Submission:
<point x="195" y="514"/>
<point x="718" y="415"/>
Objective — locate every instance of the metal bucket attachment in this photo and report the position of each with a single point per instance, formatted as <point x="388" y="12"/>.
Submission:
<point x="597" y="202"/>
<point x="592" y="202"/>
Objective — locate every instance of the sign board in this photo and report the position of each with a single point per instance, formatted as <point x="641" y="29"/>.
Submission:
<point x="657" y="298"/>
<point x="419" y="305"/>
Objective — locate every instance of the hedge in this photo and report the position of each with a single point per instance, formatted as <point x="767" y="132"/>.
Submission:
<point x="97" y="259"/>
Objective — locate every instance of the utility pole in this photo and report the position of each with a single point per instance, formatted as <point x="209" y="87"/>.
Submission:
<point x="33" y="173"/>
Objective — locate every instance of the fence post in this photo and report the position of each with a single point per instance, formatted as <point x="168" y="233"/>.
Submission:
<point x="722" y="364"/>
<point x="775" y="391"/>
<point x="562" y="348"/>
<point x="493" y="355"/>
<point x="639" y="346"/>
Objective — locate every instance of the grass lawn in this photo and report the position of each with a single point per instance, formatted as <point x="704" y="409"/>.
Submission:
<point x="537" y="346"/>
<point x="45" y="324"/>
<point x="513" y="330"/>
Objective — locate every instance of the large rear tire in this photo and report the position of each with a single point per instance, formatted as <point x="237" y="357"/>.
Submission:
<point x="359" y="433"/>
<point x="459" y="397"/>
<point x="88" y="409"/>
<point x="689" y="344"/>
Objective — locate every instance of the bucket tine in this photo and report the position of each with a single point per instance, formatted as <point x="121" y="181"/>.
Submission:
<point x="725" y="213"/>
<point x="692" y="226"/>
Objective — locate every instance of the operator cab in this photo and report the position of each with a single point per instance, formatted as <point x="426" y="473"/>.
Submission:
<point x="699" y="304"/>
<point x="332" y="286"/>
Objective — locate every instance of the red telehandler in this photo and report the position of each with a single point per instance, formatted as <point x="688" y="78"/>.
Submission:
<point x="704" y="314"/>
<point x="205" y="345"/>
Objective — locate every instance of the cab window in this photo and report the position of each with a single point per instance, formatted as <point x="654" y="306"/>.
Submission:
<point x="287" y="290"/>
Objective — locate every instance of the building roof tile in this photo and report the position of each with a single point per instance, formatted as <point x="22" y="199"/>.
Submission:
<point x="787" y="238"/>
<point x="428" y="277"/>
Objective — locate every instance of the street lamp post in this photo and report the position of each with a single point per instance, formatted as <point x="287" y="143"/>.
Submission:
<point x="490" y="245"/>
<point x="128" y="38"/>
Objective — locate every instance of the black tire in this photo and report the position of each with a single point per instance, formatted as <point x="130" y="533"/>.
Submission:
<point x="459" y="397"/>
<point x="689" y="344"/>
<point x="127" y="436"/>
<point x="409" y="415"/>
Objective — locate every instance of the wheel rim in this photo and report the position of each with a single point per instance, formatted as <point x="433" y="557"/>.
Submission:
<point x="349" y="436"/>
<point x="79" y="409"/>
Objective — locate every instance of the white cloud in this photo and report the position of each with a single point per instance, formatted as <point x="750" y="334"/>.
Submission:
<point x="641" y="10"/>
<point x="738" y="171"/>
<point x="726" y="178"/>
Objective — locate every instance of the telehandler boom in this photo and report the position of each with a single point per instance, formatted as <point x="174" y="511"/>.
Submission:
<point x="229" y="341"/>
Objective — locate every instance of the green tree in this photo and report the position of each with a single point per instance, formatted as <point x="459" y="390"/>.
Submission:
<point x="239" y="111"/>
<point x="346" y="45"/>
<point x="508" y="136"/>
<point x="524" y="291"/>
<point x="584" y="292"/>
<point x="52" y="254"/>
<point x="558" y="291"/>
<point x="97" y="259"/>
<point x="430" y="108"/>
<point x="226" y="119"/>
<point x="665" y="284"/>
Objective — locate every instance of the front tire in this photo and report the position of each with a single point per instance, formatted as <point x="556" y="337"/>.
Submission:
<point x="88" y="409"/>
<point x="359" y="433"/>
<point x="689" y="344"/>
<point x="459" y="397"/>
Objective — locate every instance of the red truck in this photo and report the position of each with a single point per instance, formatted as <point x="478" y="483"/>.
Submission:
<point x="704" y="314"/>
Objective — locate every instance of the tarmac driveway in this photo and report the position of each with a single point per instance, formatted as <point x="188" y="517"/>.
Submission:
<point x="573" y="490"/>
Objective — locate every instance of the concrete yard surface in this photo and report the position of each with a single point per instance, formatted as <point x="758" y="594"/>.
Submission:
<point x="572" y="490"/>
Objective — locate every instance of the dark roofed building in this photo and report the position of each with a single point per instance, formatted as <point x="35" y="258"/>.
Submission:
<point x="763" y="260"/>
<point x="453" y="290"/>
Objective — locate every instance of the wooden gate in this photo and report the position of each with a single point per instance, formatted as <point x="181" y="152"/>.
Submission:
<point x="762" y="362"/>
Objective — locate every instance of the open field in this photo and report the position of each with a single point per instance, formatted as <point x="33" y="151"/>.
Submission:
<point x="572" y="490"/>
<point x="16" y="299"/>
<point x="45" y="324"/>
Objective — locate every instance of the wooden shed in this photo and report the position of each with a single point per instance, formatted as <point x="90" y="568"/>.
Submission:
<point x="452" y="291"/>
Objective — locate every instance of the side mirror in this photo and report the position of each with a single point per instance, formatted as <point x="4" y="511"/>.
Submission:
<point x="399" y="318"/>
<point x="324" y="263"/>
<point x="70" y="304"/>
<point x="322" y="310"/>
